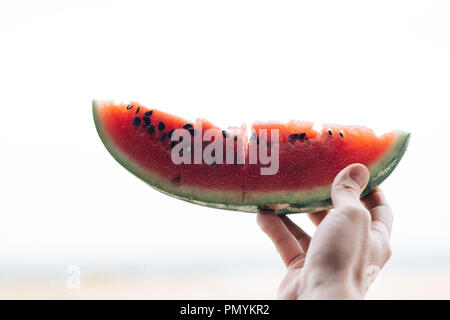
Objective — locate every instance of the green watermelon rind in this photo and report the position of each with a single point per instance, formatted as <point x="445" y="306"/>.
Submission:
<point x="317" y="199"/>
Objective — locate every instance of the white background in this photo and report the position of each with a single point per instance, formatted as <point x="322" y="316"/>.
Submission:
<point x="63" y="198"/>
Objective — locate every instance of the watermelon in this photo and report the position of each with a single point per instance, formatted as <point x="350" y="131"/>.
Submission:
<point x="143" y="140"/>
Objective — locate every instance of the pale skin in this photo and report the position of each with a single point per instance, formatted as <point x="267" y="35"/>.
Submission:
<point x="349" y="247"/>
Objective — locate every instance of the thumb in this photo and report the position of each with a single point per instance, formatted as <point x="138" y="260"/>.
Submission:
<point x="346" y="191"/>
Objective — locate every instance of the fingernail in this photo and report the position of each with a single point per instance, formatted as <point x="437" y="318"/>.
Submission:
<point x="359" y="175"/>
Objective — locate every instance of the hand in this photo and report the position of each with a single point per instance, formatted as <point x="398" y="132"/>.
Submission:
<point x="348" y="249"/>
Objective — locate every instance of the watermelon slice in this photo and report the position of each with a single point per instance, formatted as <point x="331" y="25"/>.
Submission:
<point x="140" y="139"/>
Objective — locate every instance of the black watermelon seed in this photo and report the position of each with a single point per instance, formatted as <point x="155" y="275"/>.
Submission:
<point x="137" y="121"/>
<point x="161" y="126"/>
<point x="224" y="134"/>
<point x="129" y="107"/>
<point x="137" y="110"/>
<point x="341" y="134"/>
<point x="147" y="120"/>
<point x="149" y="113"/>
<point x="330" y="133"/>
<point x="176" y="180"/>
<point x="164" y="135"/>
<point x="188" y="126"/>
<point x="299" y="136"/>
<point x="170" y="133"/>
<point x="151" y="130"/>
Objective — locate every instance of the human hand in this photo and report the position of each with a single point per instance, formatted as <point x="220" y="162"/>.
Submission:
<point x="348" y="249"/>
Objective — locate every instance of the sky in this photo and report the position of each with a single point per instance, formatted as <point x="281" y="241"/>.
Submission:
<point x="64" y="200"/>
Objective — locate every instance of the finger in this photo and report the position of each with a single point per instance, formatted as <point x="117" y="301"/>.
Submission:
<point x="286" y="244"/>
<point x="346" y="191"/>
<point x="317" y="217"/>
<point x="302" y="237"/>
<point x="380" y="210"/>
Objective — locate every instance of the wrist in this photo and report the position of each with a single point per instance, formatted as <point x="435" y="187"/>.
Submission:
<point x="332" y="286"/>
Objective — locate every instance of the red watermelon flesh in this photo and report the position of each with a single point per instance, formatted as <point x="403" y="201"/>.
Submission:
<point x="139" y="138"/>
<point x="313" y="158"/>
<point x="131" y="138"/>
<point x="226" y="179"/>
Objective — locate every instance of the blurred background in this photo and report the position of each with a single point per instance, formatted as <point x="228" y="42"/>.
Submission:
<point x="75" y="224"/>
